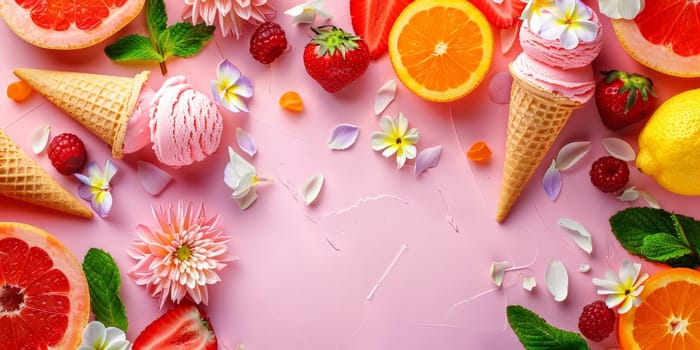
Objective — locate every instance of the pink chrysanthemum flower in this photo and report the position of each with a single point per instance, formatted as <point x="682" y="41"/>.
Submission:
<point x="182" y="256"/>
<point x="230" y="13"/>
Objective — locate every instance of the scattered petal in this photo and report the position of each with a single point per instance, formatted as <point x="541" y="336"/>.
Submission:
<point x="627" y="9"/>
<point x="306" y="12"/>
<point x="498" y="269"/>
<point x="40" y="138"/>
<point x="246" y="142"/>
<point x="529" y="283"/>
<point x="552" y="181"/>
<point x="571" y="153"/>
<point x="583" y="268"/>
<point x="647" y="197"/>
<point x="384" y="96"/>
<point x="152" y="178"/>
<point x="499" y="87"/>
<point x="426" y="159"/>
<point x="343" y="136"/>
<point x="291" y="101"/>
<point x="630" y="194"/>
<point x="312" y="188"/>
<point x="479" y="152"/>
<point x="579" y="234"/>
<point x="557" y="280"/>
<point x="619" y="148"/>
<point x="508" y="36"/>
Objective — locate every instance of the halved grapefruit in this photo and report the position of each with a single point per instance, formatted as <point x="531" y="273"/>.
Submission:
<point x="44" y="297"/>
<point x="67" y="25"/>
<point x="664" y="36"/>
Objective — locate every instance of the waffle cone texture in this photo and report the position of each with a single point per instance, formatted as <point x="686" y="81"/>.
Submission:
<point x="23" y="179"/>
<point x="535" y="118"/>
<point x="101" y="103"/>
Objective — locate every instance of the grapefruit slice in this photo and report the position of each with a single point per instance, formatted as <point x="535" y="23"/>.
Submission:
<point x="44" y="297"/>
<point x="664" y="37"/>
<point x="67" y="25"/>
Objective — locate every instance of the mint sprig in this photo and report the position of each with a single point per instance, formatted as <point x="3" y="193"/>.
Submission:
<point x="181" y="39"/>
<point x="658" y="236"/>
<point x="536" y="334"/>
<point x="104" y="283"/>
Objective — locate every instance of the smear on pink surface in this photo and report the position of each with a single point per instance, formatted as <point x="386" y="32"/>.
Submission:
<point x="376" y="286"/>
<point x="365" y="200"/>
<point x="499" y="87"/>
<point x="450" y="217"/>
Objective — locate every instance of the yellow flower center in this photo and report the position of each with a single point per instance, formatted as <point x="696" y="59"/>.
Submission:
<point x="183" y="253"/>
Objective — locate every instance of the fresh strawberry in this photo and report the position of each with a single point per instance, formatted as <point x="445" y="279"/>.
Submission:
<point x="67" y="153"/>
<point x="334" y="58"/>
<point x="373" y="19"/>
<point x="183" y="327"/>
<point x="624" y="98"/>
<point x="501" y="15"/>
<point x="268" y="42"/>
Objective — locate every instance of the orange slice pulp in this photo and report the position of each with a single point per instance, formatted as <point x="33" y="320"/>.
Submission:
<point x="441" y="49"/>
<point x="668" y="316"/>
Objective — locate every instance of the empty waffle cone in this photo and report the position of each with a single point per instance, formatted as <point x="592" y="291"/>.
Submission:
<point x="23" y="179"/>
<point x="101" y="103"/>
<point x="535" y="118"/>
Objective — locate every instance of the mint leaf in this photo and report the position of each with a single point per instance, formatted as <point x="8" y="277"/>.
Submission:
<point x="156" y="17"/>
<point x="536" y="334"/>
<point x="664" y="248"/>
<point x="133" y="48"/>
<point x="691" y="227"/>
<point x="184" y="39"/>
<point x="104" y="282"/>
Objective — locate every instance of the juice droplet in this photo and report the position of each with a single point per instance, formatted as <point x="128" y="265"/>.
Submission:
<point x="291" y="101"/>
<point x="479" y="152"/>
<point x="19" y="91"/>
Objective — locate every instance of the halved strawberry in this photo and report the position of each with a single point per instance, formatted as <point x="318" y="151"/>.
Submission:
<point x="501" y="15"/>
<point x="372" y="20"/>
<point x="184" y="327"/>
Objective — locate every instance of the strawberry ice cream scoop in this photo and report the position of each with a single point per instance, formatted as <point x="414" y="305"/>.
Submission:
<point x="185" y="124"/>
<point x="576" y="84"/>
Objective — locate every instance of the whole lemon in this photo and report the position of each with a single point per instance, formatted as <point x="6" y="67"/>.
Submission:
<point x="669" y="144"/>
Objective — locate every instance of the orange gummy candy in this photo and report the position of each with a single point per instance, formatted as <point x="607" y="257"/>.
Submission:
<point x="291" y="100"/>
<point x="479" y="152"/>
<point x="19" y="91"/>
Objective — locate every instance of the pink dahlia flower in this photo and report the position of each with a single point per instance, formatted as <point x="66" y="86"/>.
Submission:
<point x="230" y="13"/>
<point x="182" y="256"/>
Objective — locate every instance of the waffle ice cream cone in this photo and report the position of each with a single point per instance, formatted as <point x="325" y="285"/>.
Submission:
<point x="101" y="103"/>
<point x="535" y="118"/>
<point x="23" y="179"/>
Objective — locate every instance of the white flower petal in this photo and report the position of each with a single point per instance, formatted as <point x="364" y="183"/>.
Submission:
<point x="426" y="159"/>
<point x="629" y="194"/>
<point x="629" y="9"/>
<point x="345" y="135"/>
<point x="384" y="96"/>
<point x="619" y="148"/>
<point x="584" y="268"/>
<point x="312" y="188"/>
<point x="586" y="31"/>
<point x="40" y="138"/>
<point x="557" y="280"/>
<point x="246" y="142"/>
<point x="246" y="201"/>
<point x="571" y="153"/>
<point x="578" y="233"/>
<point x="508" y="36"/>
<point x="529" y="283"/>
<point x="649" y="199"/>
<point x="152" y="178"/>
<point x="498" y="269"/>
<point x="386" y="124"/>
<point x="94" y="334"/>
<point x="609" y="8"/>
<point x="295" y="11"/>
<point x="568" y="39"/>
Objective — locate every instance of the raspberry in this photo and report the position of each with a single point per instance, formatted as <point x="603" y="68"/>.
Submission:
<point x="597" y="321"/>
<point x="609" y="174"/>
<point x="268" y="42"/>
<point x="67" y="153"/>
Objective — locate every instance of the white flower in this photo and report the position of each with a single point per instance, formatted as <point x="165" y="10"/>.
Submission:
<point x="306" y="12"/>
<point x="622" y="289"/>
<point x="568" y="21"/>
<point x="395" y="138"/>
<point x="97" y="337"/>
<point x="242" y="178"/>
<point x="627" y="9"/>
<point x="532" y="13"/>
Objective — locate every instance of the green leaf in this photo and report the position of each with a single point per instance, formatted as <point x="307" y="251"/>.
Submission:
<point x="104" y="282"/>
<point x="691" y="227"/>
<point x="156" y="17"/>
<point x="133" y="47"/>
<point x="184" y="39"/>
<point x="536" y="334"/>
<point x="664" y="248"/>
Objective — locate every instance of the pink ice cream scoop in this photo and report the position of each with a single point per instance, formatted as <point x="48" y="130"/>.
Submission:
<point x="185" y="124"/>
<point x="576" y="84"/>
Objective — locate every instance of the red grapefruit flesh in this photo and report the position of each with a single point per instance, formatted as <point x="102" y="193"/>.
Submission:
<point x="67" y="25"/>
<point x="664" y="36"/>
<point x="44" y="297"/>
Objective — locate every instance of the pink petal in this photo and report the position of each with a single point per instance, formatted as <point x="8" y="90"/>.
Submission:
<point x="384" y="96"/>
<point x="499" y="87"/>
<point x="571" y="153"/>
<point x="246" y="142"/>
<point x="426" y="159"/>
<point x="153" y="179"/>
<point x="619" y="148"/>
<point x="343" y="136"/>
<point x="552" y="181"/>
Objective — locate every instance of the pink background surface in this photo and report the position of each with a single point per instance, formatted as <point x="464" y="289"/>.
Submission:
<point x="291" y="288"/>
